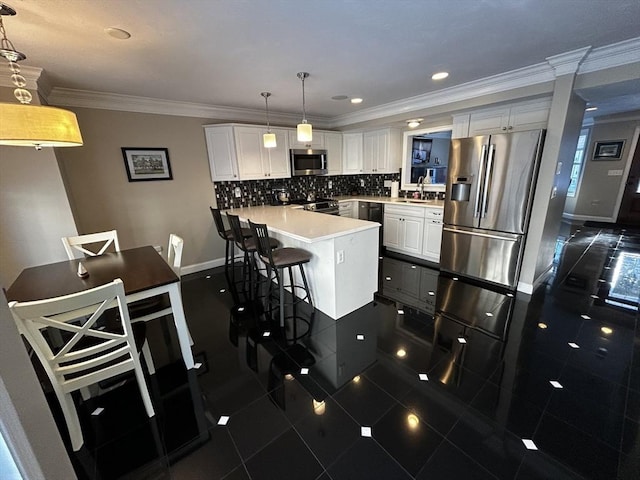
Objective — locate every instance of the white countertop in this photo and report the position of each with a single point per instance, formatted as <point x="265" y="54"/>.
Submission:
<point x="304" y="226"/>
<point x="393" y="201"/>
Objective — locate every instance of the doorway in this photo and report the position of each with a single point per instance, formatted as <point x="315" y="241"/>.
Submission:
<point x="629" y="212"/>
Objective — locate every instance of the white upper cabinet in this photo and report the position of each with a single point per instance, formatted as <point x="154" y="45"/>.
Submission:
<point x="352" y="153"/>
<point x="382" y="151"/>
<point x="236" y="152"/>
<point x="221" y="150"/>
<point x="511" y="118"/>
<point x="256" y="162"/>
<point x="333" y="146"/>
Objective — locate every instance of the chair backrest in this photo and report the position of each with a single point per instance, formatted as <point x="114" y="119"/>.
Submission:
<point x="86" y="354"/>
<point x="263" y="243"/>
<point x="78" y="243"/>
<point x="217" y="218"/>
<point x="236" y="231"/>
<point x="174" y="252"/>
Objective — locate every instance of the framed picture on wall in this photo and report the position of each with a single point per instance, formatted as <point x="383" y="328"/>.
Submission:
<point x="610" y="150"/>
<point x="147" y="164"/>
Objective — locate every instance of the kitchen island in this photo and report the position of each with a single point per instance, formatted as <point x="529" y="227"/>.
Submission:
<point x="343" y="271"/>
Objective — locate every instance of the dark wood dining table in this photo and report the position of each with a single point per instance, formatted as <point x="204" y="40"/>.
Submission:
<point x="143" y="271"/>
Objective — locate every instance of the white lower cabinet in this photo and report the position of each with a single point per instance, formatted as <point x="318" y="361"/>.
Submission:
<point x="415" y="231"/>
<point x="432" y="234"/>
<point x="404" y="229"/>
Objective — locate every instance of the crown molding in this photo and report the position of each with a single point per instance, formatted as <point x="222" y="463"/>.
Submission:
<point x="568" y="63"/>
<point x="112" y="101"/>
<point x="583" y="60"/>
<point x="615" y="55"/>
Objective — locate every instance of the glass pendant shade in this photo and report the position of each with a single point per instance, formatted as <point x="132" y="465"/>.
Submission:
<point x="38" y="126"/>
<point x="305" y="132"/>
<point x="269" y="140"/>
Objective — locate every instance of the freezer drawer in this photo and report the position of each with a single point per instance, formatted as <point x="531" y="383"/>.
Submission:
<point x="482" y="254"/>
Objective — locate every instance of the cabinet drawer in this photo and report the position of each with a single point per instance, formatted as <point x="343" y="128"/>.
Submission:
<point x="433" y="213"/>
<point x="405" y="211"/>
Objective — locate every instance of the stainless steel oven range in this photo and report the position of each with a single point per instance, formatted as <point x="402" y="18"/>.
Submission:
<point x="320" y="205"/>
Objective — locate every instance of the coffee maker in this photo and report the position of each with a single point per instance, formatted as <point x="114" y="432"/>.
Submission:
<point x="281" y="196"/>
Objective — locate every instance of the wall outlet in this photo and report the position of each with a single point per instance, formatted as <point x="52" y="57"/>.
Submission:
<point x="237" y="192"/>
<point x="340" y="256"/>
<point x="330" y="184"/>
<point x="362" y="182"/>
<point x="387" y="183"/>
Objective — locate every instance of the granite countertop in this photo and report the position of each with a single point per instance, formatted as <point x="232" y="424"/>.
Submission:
<point x="309" y="227"/>
<point x="393" y="201"/>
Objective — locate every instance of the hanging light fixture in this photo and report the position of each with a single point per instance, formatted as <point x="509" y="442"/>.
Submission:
<point x="305" y="132"/>
<point x="29" y="125"/>
<point x="268" y="139"/>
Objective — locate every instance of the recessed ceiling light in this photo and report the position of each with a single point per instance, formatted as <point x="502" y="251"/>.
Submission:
<point x="401" y="353"/>
<point x="356" y="100"/>
<point x="606" y="330"/>
<point x="117" y="33"/>
<point x="590" y="109"/>
<point x="439" y="76"/>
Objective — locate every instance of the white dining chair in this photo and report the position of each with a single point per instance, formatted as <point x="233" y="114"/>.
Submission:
<point x="157" y="307"/>
<point x="79" y="243"/>
<point x="88" y="354"/>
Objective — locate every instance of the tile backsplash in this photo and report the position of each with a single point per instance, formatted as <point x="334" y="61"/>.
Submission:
<point x="260" y="192"/>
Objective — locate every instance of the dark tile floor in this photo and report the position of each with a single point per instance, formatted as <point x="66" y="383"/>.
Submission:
<point x="438" y="379"/>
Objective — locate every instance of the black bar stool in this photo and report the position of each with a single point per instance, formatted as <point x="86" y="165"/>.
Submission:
<point x="227" y="236"/>
<point x="277" y="261"/>
<point x="250" y="270"/>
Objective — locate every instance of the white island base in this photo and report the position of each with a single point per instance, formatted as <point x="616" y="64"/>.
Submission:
<point x="343" y="271"/>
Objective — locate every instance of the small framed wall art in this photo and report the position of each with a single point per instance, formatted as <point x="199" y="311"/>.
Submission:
<point x="147" y="164"/>
<point x="610" y="150"/>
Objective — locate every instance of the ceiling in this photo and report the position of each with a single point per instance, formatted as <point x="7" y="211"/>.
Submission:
<point x="225" y="52"/>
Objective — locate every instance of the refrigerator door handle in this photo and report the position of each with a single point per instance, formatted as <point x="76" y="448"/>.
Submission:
<point x="476" y="208"/>
<point x="480" y="234"/>
<point x="487" y="180"/>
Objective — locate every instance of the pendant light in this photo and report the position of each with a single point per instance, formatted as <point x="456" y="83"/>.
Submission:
<point x="29" y="125"/>
<point x="305" y="132"/>
<point x="268" y="139"/>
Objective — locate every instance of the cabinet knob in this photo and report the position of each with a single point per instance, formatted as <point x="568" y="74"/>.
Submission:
<point x="504" y="129"/>
<point x="510" y="127"/>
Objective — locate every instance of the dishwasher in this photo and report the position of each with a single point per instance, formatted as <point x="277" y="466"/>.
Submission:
<point x="372" y="212"/>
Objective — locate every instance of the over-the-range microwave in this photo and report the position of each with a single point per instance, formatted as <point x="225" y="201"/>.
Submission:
<point x="308" y="162"/>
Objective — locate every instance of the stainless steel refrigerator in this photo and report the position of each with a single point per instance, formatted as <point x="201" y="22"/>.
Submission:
<point x="490" y="185"/>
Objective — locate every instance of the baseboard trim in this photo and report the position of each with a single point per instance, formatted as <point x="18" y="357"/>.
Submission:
<point x="199" y="267"/>
<point x="529" y="288"/>
<point x="588" y="218"/>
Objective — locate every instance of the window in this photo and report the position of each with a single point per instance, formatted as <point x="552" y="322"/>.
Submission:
<point x="578" y="158"/>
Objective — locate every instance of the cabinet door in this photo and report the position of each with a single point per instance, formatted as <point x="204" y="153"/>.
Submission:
<point x="222" y="153"/>
<point x="391" y="231"/>
<point x="432" y="239"/>
<point x="352" y="148"/>
<point x="333" y="145"/>
<point x="529" y="117"/>
<point x="489" y="121"/>
<point x="250" y="153"/>
<point x="460" y="126"/>
<point x="279" y="164"/>
<point x="413" y="232"/>
<point x="371" y="152"/>
<point x="383" y="161"/>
